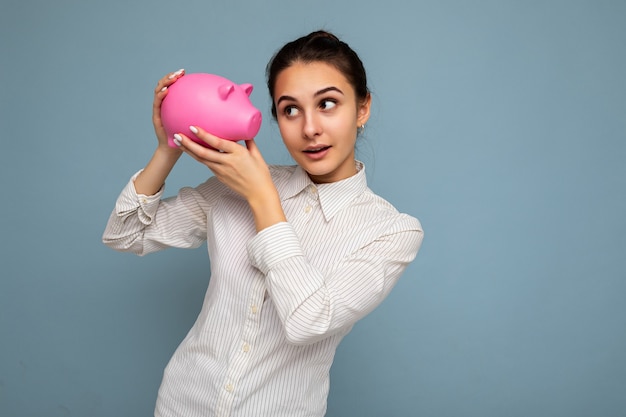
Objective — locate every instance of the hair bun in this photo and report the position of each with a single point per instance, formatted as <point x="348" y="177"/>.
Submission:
<point x="323" y="34"/>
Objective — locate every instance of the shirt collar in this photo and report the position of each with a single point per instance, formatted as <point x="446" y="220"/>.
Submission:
<point x="333" y="196"/>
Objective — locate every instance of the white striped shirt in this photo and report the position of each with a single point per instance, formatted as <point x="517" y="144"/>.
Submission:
<point x="279" y="301"/>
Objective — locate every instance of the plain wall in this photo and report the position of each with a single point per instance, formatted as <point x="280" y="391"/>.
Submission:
<point x="501" y="125"/>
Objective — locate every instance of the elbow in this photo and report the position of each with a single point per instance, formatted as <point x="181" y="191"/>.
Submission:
<point x="301" y="334"/>
<point x="294" y="339"/>
<point x="122" y="245"/>
<point x="109" y="242"/>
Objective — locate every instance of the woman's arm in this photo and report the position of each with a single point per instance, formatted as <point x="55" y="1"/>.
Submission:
<point x="143" y="224"/>
<point x="132" y="225"/>
<point x="152" y="178"/>
<point x="314" y="304"/>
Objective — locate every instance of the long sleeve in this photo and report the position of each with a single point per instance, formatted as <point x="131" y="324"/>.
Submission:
<point x="143" y="224"/>
<point x="316" y="301"/>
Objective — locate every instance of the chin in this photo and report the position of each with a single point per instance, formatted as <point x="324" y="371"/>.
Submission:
<point x="320" y="175"/>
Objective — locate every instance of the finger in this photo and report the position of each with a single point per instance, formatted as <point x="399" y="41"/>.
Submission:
<point x="161" y="91"/>
<point x="176" y="74"/>
<point x="168" y="80"/>
<point x="252" y="147"/>
<point x="213" y="141"/>
<point x="195" y="150"/>
<point x="254" y="150"/>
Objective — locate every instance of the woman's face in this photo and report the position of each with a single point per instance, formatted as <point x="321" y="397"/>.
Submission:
<point x="318" y="116"/>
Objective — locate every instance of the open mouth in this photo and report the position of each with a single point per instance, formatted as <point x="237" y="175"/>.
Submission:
<point x="317" y="150"/>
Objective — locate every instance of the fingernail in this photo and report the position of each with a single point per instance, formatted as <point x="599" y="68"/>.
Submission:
<point x="176" y="74"/>
<point x="193" y="129"/>
<point x="177" y="139"/>
<point x="163" y="89"/>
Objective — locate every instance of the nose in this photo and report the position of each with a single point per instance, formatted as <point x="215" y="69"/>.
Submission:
<point x="312" y="127"/>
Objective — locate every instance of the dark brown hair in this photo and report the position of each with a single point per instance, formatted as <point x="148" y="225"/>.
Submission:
<point x="319" y="46"/>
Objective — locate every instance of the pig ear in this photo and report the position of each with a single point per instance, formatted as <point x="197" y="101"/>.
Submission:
<point x="224" y="90"/>
<point x="247" y="88"/>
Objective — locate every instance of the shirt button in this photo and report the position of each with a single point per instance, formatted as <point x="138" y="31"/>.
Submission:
<point x="254" y="309"/>
<point x="144" y="200"/>
<point x="307" y="209"/>
<point x="246" y="348"/>
<point x="229" y="387"/>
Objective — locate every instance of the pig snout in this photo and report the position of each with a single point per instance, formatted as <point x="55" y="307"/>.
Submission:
<point x="254" y="124"/>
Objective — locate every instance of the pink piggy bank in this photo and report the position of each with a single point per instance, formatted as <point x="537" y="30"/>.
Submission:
<point x="213" y="103"/>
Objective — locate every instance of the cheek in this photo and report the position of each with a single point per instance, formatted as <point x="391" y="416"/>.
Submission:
<point x="288" y="132"/>
<point x="284" y="129"/>
<point x="342" y="126"/>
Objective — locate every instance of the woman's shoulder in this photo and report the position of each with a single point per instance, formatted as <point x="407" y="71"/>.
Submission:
<point x="385" y="209"/>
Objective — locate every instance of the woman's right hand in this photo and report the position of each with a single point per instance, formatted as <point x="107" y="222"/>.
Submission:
<point x="159" y="94"/>
<point x="151" y="179"/>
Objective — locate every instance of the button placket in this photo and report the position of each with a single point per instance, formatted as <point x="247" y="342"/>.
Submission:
<point x="239" y="361"/>
<point x="312" y="199"/>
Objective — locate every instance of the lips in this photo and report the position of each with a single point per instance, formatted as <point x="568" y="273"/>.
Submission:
<point x="317" y="149"/>
<point x="317" y="152"/>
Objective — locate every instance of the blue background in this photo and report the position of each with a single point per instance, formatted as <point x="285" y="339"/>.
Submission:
<point x="501" y="125"/>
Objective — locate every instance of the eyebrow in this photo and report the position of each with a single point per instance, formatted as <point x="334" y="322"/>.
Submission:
<point x="317" y="93"/>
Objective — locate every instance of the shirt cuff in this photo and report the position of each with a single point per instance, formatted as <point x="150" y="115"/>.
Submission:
<point x="129" y="201"/>
<point x="273" y="245"/>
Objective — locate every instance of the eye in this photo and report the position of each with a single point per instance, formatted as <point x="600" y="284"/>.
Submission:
<point x="290" y="111"/>
<point x="327" y="104"/>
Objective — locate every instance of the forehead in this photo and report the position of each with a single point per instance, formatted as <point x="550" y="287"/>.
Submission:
<point x="305" y="79"/>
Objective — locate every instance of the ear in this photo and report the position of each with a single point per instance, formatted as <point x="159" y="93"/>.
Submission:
<point x="224" y="90"/>
<point x="363" y="110"/>
<point x="247" y="88"/>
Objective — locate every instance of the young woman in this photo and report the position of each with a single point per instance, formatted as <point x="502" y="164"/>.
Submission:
<point x="298" y="253"/>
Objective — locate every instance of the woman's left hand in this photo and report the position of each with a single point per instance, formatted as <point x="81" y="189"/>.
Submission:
<point x="242" y="168"/>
